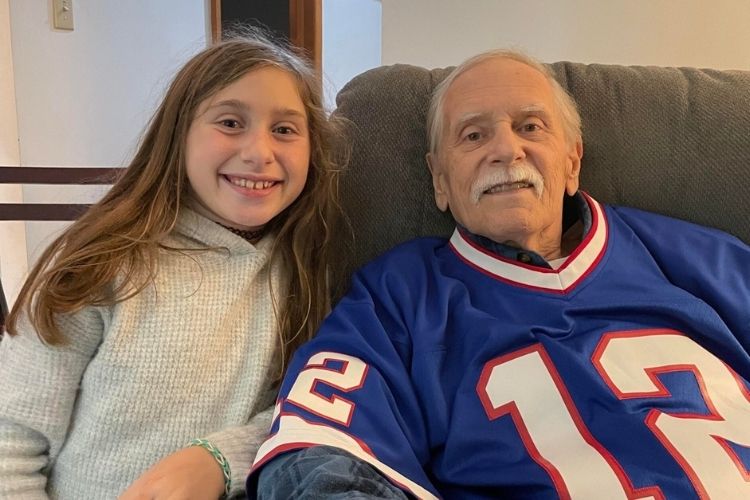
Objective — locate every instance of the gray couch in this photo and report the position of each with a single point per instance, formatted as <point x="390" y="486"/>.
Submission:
<point x="670" y="140"/>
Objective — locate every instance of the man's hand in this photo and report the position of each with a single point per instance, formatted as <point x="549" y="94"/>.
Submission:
<point x="190" y="473"/>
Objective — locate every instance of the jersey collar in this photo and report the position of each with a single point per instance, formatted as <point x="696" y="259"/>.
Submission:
<point x="561" y="280"/>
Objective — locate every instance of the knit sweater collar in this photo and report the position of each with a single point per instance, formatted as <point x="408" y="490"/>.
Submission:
<point x="201" y="229"/>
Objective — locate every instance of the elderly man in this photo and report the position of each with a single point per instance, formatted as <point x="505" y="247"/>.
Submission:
<point x="553" y="347"/>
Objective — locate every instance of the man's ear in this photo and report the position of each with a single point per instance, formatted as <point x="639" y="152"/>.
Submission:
<point x="573" y="173"/>
<point x="441" y="197"/>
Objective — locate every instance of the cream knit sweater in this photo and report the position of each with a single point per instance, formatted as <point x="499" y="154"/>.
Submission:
<point x="189" y="357"/>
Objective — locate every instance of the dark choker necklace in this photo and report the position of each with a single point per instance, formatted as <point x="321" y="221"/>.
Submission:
<point x="247" y="234"/>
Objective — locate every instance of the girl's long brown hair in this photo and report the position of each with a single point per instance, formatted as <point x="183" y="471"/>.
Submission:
<point x="110" y="253"/>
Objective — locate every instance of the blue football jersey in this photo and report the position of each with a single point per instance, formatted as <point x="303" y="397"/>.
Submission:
<point x="457" y="373"/>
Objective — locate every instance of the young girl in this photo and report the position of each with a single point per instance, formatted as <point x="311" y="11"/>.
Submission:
<point x="158" y="324"/>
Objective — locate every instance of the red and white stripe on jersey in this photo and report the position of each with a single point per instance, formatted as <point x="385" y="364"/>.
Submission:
<point x="577" y="265"/>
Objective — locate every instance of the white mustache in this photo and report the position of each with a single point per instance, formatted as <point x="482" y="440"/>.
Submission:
<point x="518" y="172"/>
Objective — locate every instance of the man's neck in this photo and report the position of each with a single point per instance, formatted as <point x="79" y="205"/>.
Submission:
<point x="572" y="238"/>
<point x="576" y="222"/>
<point x="546" y="244"/>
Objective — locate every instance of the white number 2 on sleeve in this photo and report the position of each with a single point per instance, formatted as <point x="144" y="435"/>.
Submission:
<point x="348" y="378"/>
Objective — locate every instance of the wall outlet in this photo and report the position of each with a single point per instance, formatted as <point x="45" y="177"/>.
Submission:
<point x="62" y="14"/>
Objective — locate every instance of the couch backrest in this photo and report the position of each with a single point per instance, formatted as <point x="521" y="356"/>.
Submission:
<point x="670" y="140"/>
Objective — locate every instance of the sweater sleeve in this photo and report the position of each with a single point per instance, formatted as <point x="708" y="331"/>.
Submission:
<point x="239" y="446"/>
<point x="39" y="388"/>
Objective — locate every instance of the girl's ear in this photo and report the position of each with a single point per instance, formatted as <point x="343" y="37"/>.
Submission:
<point x="438" y="180"/>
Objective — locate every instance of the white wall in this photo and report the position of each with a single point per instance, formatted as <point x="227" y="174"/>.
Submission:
<point x="699" y="33"/>
<point x="12" y="235"/>
<point x="351" y="42"/>
<point x="83" y="97"/>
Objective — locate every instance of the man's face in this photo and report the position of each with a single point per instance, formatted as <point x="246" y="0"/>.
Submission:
<point x="503" y="163"/>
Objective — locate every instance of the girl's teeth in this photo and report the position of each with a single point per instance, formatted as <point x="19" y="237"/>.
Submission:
<point x="251" y="184"/>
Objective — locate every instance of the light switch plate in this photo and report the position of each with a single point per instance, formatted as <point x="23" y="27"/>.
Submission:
<point x="62" y="14"/>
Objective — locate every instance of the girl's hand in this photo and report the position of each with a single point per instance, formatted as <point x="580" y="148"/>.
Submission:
<point x="190" y="473"/>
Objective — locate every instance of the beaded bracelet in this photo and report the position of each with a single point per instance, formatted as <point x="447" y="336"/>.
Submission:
<point x="214" y="451"/>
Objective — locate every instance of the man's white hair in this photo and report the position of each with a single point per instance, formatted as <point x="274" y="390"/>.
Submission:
<point x="571" y="120"/>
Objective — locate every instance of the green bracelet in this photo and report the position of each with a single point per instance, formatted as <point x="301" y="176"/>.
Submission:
<point x="214" y="451"/>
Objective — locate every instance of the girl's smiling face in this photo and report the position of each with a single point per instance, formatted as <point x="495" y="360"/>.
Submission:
<point x="248" y="150"/>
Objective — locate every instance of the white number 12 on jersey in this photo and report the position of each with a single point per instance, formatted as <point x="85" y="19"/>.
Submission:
<point x="557" y="439"/>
